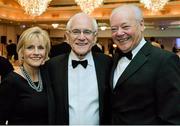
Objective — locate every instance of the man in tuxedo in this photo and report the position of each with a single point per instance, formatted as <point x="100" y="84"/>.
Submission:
<point x="80" y="79"/>
<point x="145" y="80"/>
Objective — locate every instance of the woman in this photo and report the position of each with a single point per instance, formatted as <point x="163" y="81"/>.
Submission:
<point x="25" y="95"/>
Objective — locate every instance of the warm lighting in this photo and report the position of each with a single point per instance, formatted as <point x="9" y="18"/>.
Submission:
<point x="114" y="46"/>
<point x="103" y="28"/>
<point x="154" y="5"/>
<point x="88" y="6"/>
<point x="34" y="7"/>
<point x="55" y="25"/>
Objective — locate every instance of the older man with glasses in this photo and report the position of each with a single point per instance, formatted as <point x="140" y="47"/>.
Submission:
<point x="80" y="78"/>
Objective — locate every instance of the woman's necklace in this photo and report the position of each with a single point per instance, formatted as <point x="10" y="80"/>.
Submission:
<point x="39" y="86"/>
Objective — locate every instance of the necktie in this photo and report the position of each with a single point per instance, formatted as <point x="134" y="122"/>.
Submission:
<point x="128" y="55"/>
<point x="75" y="63"/>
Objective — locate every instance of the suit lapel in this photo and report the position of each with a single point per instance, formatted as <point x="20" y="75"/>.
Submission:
<point x="64" y="68"/>
<point x="99" y="74"/>
<point x="62" y="88"/>
<point x="136" y="63"/>
<point x="115" y="62"/>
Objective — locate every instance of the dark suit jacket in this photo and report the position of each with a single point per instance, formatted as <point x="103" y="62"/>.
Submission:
<point x="50" y="95"/>
<point x="58" y="70"/>
<point x="148" y="92"/>
<point x="5" y="67"/>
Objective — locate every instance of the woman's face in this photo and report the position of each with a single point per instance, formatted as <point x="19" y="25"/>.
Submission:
<point x="34" y="53"/>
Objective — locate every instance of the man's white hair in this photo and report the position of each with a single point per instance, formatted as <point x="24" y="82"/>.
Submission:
<point x="137" y="11"/>
<point x="94" y="23"/>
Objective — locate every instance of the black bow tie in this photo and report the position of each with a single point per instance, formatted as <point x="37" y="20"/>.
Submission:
<point x="83" y="63"/>
<point x="128" y="55"/>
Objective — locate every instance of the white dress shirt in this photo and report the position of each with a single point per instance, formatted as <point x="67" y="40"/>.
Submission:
<point x="124" y="62"/>
<point x="83" y="92"/>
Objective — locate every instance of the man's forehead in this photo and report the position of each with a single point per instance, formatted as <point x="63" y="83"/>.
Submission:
<point x="82" y="23"/>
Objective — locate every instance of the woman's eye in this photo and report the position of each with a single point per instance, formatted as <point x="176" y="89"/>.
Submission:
<point x="40" y="47"/>
<point x="29" y="47"/>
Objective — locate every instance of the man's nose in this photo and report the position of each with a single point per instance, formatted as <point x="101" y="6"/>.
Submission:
<point x="120" y="31"/>
<point x="82" y="36"/>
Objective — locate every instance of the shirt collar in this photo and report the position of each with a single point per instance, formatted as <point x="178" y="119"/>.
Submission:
<point x="138" y="47"/>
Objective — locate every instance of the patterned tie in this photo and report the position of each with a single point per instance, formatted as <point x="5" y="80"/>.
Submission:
<point x="75" y="63"/>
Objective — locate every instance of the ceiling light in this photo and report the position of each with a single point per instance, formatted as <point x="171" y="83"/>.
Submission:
<point x="55" y="25"/>
<point x="88" y="6"/>
<point x="34" y="7"/>
<point x="103" y="28"/>
<point x="154" y="5"/>
<point x="114" y="46"/>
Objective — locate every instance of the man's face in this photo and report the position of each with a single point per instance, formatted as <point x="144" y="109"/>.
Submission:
<point x="126" y="30"/>
<point x="81" y="35"/>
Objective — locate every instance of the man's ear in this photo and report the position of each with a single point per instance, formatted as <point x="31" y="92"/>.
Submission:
<point x="67" y="36"/>
<point x="95" y="38"/>
<point x="142" y="25"/>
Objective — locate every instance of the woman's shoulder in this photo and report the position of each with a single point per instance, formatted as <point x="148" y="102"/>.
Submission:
<point x="14" y="75"/>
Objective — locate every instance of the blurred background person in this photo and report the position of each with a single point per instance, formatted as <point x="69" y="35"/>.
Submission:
<point x="60" y="48"/>
<point x="98" y="48"/>
<point x="154" y="42"/>
<point x="11" y="51"/>
<point x="25" y="94"/>
<point x="5" y="68"/>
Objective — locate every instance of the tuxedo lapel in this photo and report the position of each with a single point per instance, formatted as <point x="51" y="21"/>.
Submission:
<point x="60" y="70"/>
<point x="64" y="74"/>
<point x="99" y="74"/>
<point x="115" y="62"/>
<point x="136" y="63"/>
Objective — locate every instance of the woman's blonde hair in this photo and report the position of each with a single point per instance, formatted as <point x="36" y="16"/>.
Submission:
<point x="28" y="36"/>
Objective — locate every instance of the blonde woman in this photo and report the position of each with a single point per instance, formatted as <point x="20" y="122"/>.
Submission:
<point x="25" y="95"/>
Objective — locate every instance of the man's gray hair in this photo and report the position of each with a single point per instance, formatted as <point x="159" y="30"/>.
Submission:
<point x="137" y="11"/>
<point x="94" y="22"/>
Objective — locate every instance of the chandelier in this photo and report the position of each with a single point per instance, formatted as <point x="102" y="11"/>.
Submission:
<point x="88" y="6"/>
<point x="34" y="7"/>
<point x="154" y="5"/>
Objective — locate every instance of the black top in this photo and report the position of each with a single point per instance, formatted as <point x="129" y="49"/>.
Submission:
<point x="20" y="104"/>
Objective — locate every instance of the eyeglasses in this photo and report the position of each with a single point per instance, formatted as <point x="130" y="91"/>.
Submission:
<point x="86" y="32"/>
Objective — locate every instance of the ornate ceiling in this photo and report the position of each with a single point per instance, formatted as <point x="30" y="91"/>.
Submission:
<point x="59" y="11"/>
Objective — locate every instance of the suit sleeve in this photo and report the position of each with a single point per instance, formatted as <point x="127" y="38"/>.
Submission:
<point x="168" y="90"/>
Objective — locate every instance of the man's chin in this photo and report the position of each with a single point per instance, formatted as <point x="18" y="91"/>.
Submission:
<point x="81" y="54"/>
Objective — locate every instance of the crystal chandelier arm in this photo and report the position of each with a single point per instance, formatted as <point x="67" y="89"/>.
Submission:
<point x="34" y="7"/>
<point x="154" y="5"/>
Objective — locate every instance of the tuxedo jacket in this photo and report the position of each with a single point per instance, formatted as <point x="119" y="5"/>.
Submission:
<point x="148" y="91"/>
<point x="58" y="71"/>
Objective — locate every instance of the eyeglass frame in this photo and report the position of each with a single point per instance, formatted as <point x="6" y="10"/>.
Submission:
<point x="79" y="32"/>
